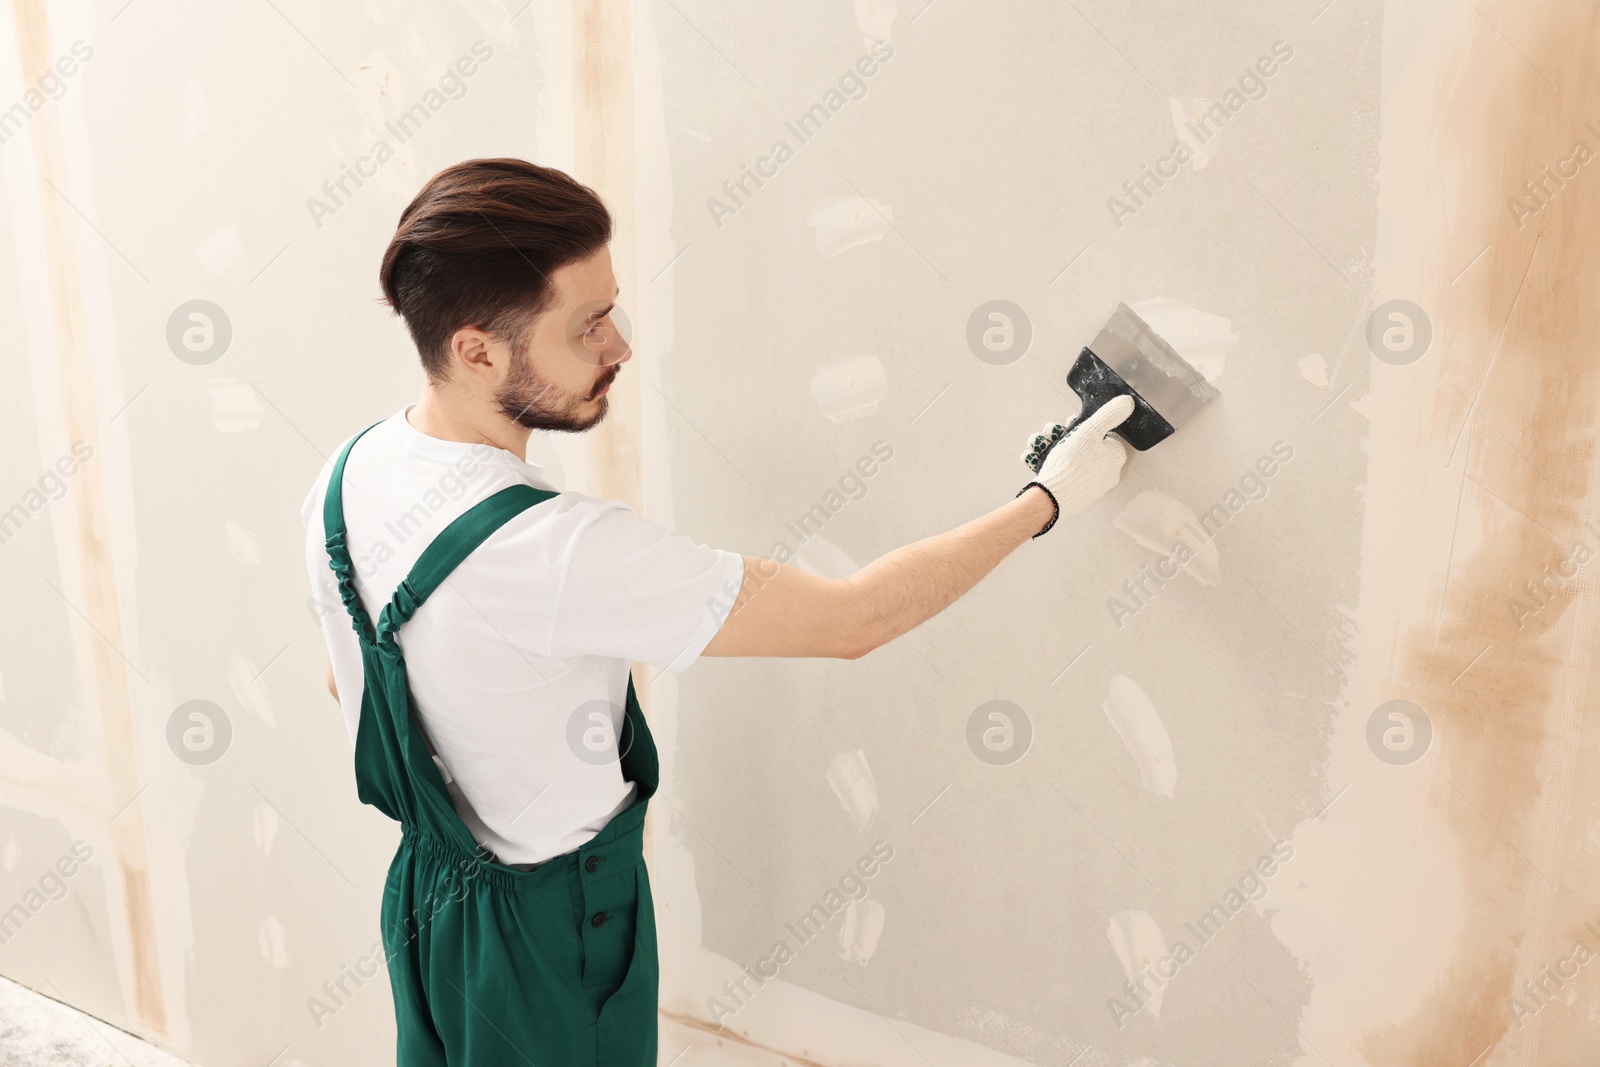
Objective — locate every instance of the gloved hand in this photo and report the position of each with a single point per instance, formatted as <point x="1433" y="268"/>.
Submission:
<point x="1080" y="467"/>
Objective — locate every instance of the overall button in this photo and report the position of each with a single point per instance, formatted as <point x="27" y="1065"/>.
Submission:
<point x="599" y="919"/>
<point x="592" y="863"/>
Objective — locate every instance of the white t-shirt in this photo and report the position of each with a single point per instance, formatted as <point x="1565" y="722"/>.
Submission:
<point x="527" y="644"/>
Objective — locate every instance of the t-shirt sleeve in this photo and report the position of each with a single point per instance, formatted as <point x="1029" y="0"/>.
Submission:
<point x="634" y="590"/>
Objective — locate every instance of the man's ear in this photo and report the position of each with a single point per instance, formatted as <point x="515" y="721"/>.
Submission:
<point x="474" y="353"/>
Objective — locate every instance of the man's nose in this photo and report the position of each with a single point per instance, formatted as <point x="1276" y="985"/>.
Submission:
<point x="616" y="350"/>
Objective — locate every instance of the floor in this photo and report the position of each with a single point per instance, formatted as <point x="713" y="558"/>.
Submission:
<point x="36" y="1031"/>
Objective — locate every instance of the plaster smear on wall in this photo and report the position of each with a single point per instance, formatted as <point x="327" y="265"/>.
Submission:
<point x="1314" y="369"/>
<point x="849" y="388"/>
<point x="242" y="544"/>
<point x="264" y="827"/>
<point x="234" y="406"/>
<point x="1139" y="943"/>
<point x="860" y="930"/>
<point x="383" y="95"/>
<point x="274" y="943"/>
<point x="1136" y="721"/>
<point x="1185" y="111"/>
<point x="842" y="222"/>
<point x="1169" y="527"/>
<point x="853" y="784"/>
<point x="250" y="688"/>
<point x="875" y="19"/>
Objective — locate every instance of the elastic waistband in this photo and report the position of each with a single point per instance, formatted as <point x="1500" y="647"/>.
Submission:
<point x="620" y="845"/>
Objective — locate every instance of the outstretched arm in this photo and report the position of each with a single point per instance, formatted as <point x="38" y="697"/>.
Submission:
<point x="785" y="611"/>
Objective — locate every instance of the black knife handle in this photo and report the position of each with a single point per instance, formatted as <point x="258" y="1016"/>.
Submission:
<point x="1096" y="384"/>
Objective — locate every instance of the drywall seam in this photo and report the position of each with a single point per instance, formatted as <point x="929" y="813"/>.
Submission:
<point x="603" y="158"/>
<point x="1493" y="884"/>
<point x="556" y="146"/>
<point x="1513" y="727"/>
<point x="88" y="534"/>
<point x="677" y="898"/>
<point x="671" y="861"/>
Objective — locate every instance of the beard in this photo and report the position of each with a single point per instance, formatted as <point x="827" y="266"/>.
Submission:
<point x="530" y="401"/>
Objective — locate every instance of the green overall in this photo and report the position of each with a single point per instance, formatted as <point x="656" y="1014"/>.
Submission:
<point x="492" y="965"/>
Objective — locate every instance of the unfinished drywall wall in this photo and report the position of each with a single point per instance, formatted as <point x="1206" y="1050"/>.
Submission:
<point x="195" y="200"/>
<point x="1339" y="705"/>
<point x="1081" y="757"/>
<point x="1275" y="755"/>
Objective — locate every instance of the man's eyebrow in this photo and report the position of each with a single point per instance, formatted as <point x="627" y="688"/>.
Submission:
<point x="603" y="312"/>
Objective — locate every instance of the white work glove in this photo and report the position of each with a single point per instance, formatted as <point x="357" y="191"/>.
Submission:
<point x="1080" y="467"/>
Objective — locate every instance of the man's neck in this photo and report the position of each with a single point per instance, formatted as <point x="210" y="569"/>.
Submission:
<point x="440" y="413"/>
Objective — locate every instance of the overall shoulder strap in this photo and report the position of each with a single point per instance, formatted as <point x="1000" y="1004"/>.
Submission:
<point x="334" y="532"/>
<point x="455" y="543"/>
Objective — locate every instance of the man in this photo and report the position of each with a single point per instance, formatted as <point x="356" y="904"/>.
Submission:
<point x="484" y="676"/>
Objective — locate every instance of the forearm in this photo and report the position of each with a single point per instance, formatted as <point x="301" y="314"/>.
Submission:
<point x="901" y="589"/>
<point x="801" y="613"/>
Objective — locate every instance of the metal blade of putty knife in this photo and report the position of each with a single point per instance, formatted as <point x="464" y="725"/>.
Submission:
<point x="1127" y="356"/>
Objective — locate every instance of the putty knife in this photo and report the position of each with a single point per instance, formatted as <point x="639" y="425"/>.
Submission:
<point x="1127" y="356"/>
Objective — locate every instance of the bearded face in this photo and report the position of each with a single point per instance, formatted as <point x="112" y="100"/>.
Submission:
<point x="529" y="400"/>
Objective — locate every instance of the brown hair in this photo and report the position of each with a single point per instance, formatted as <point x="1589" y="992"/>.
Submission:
<point x="477" y="246"/>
